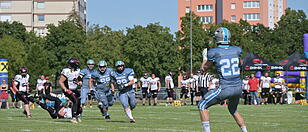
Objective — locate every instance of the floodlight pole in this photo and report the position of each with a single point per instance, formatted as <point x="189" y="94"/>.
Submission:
<point x="190" y="36"/>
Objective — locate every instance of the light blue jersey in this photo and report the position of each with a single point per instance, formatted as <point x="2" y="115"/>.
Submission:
<point x="86" y="73"/>
<point x="103" y="80"/>
<point x="123" y="78"/>
<point x="227" y="61"/>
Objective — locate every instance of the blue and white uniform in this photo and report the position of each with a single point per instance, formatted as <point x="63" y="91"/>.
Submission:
<point x="103" y="89"/>
<point x="127" y="94"/>
<point x="86" y="73"/>
<point x="227" y="61"/>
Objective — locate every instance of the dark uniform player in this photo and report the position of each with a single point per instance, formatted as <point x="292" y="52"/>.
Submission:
<point x="21" y="88"/>
<point x="57" y="111"/>
<point x="227" y="60"/>
<point x="184" y="89"/>
<point x="69" y="80"/>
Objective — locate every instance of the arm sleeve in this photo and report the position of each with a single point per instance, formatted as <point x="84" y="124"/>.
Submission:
<point x="131" y="75"/>
<point x="211" y="55"/>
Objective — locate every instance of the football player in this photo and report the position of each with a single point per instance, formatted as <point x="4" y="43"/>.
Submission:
<point x="69" y="80"/>
<point x="227" y="61"/>
<point x="170" y="86"/>
<point x="58" y="110"/>
<point x="124" y="79"/>
<point x="104" y="89"/>
<point x="144" y="82"/>
<point x="184" y="89"/>
<point x="154" y="88"/>
<point x="86" y="75"/>
<point x="21" y="89"/>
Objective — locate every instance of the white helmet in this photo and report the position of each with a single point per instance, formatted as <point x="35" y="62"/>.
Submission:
<point x="222" y="35"/>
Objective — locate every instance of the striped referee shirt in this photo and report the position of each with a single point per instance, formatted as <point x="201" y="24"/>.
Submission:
<point x="204" y="80"/>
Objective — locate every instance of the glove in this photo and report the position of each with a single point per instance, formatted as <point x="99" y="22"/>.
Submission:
<point x="68" y="91"/>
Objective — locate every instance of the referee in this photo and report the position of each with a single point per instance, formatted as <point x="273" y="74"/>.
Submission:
<point x="204" y="82"/>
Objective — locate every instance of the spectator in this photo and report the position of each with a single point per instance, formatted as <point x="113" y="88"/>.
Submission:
<point x="245" y="88"/>
<point x="4" y="95"/>
<point x="253" y="88"/>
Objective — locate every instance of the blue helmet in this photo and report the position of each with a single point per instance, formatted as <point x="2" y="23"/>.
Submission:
<point x="119" y="63"/>
<point x="222" y="35"/>
<point x="102" y="63"/>
<point x="90" y="61"/>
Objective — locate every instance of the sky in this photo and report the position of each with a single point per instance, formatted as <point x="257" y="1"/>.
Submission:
<point x="120" y="14"/>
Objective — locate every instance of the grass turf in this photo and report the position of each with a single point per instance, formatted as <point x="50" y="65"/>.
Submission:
<point x="269" y="118"/>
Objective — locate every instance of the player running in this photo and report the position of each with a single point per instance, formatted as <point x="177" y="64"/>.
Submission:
<point x="104" y="89"/>
<point x="86" y="74"/>
<point x="124" y="79"/>
<point x="69" y="80"/>
<point x="227" y="60"/>
<point x="21" y="89"/>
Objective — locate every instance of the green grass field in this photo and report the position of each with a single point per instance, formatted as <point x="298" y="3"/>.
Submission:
<point x="270" y="118"/>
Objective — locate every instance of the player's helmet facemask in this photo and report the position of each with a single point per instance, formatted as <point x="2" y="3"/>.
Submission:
<point x="102" y="66"/>
<point x="73" y="63"/>
<point x="23" y="71"/>
<point x="222" y="36"/>
<point x="90" y="64"/>
<point x="120" y="66"/>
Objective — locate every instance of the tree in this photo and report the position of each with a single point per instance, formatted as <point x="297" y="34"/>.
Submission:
<point x="200" y="40"/>
<point x="150" y="49"/>
<point x="14" y="50"/>
<point x="15" y="29"/>
<point x="64" y="41"/>
<point x="104" y="44"/>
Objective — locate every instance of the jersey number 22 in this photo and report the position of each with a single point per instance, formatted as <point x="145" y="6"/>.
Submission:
<point x="230" y="67"/>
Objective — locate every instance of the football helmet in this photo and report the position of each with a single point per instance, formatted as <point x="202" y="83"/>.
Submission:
<point x="222" y="36"/>
<point x="90" y="62"/>
<point x="23" y="70"/>
<point x="73" y="63"/>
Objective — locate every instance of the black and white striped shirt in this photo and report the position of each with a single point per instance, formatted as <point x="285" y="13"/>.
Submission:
<point x="204" y="80"/>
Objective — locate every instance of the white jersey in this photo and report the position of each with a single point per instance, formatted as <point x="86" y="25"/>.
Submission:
<point x="184" y="83"/>
<point x="154" y="83"/>
<point x="265" y="82"/>
<point x="135" y="83"/>
<point x="145" y="82"/>
<point x="22" y="82"/>
<point x="71" y="77"/>
<point x="192" y="82"/>
<point x="214" y="83"/>
<point x="40" y="84"/>
<point x="169" y="78"/>
<point x="278" y="80"/>
<point x="245" y="84"/>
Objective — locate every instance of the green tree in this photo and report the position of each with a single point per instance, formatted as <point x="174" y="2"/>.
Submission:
<point x="104" y="44"/>
<point x="150" y="49"/>
<point x="15" y="29"/>
<point x="64" y="41"/>
<point x="14" y="50"/>
<point x="201" y="39"/>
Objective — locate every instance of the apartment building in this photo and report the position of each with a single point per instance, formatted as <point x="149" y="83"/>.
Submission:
<point x="266" y="12"/>
<point x="37" y="14"/>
